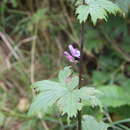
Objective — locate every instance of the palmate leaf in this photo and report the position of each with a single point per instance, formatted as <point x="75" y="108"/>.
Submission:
<point x="97" y="9"/>
<point x="89" y="123"/>
<point x="61" y="92"/>
<point x="64" y="93"/>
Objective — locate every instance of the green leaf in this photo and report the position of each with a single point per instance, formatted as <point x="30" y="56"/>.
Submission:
<point x="56" y="92"/>
<point x="97" y="9"/>
<point x="45" y="85"/>
<point x="90" y="123"/>
<point x="67" y="99"/>
<point x="62" y="93"/>
<point x="90" y="95"/>
<point x="73" y="82"/>
<point x="47" y="98"/>
<point x="114" y="96"/>
<point x="70" y="104"/>
<point x="89" y="91"/>
<point x="123" y="4"/>
<point x="100" y="77"/>
<point x="64" y="74"/>
<point x="82" y="12"/>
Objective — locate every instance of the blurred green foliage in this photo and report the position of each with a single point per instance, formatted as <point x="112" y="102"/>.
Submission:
<point x="33" y="37"/>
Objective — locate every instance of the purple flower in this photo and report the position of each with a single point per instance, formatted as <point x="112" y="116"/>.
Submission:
<point x="74" y="52"/>
<point x="73" y="55"/>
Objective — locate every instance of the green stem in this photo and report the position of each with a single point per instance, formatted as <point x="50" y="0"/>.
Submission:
<point x="81" y="70"/>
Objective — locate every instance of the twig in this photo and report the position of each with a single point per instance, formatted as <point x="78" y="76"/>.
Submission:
<point x="26" y="40"/>
<point x="9" y="45"/>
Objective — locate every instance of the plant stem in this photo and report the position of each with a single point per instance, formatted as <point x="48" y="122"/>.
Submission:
<point x="81" y="56"/>
<point x="81" y="69"/>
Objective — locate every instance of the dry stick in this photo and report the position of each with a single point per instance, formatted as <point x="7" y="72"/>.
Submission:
<point x="2" y="35"/>
<point x="81" y="70"/>
<point x="12" y="43"/>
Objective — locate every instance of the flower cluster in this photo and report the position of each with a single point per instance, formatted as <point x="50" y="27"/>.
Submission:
<point x="74" y="54"/>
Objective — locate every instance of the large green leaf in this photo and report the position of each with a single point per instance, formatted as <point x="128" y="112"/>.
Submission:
<point x="90" y="123"/>
<point x="97" y="9"/>
<point x="63" y="93"/>
<point x="114" y="96"/>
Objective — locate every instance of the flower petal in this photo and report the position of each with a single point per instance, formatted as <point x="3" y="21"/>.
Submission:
<point x="75" y="52"/>
<point x="69" y="57"/>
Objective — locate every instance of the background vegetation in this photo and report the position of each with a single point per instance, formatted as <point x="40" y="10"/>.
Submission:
<point x="33" y="37"/>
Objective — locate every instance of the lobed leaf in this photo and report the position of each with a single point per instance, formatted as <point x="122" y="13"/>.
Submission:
<point x="97" y="9"/>
<point x="62" y="93"/>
